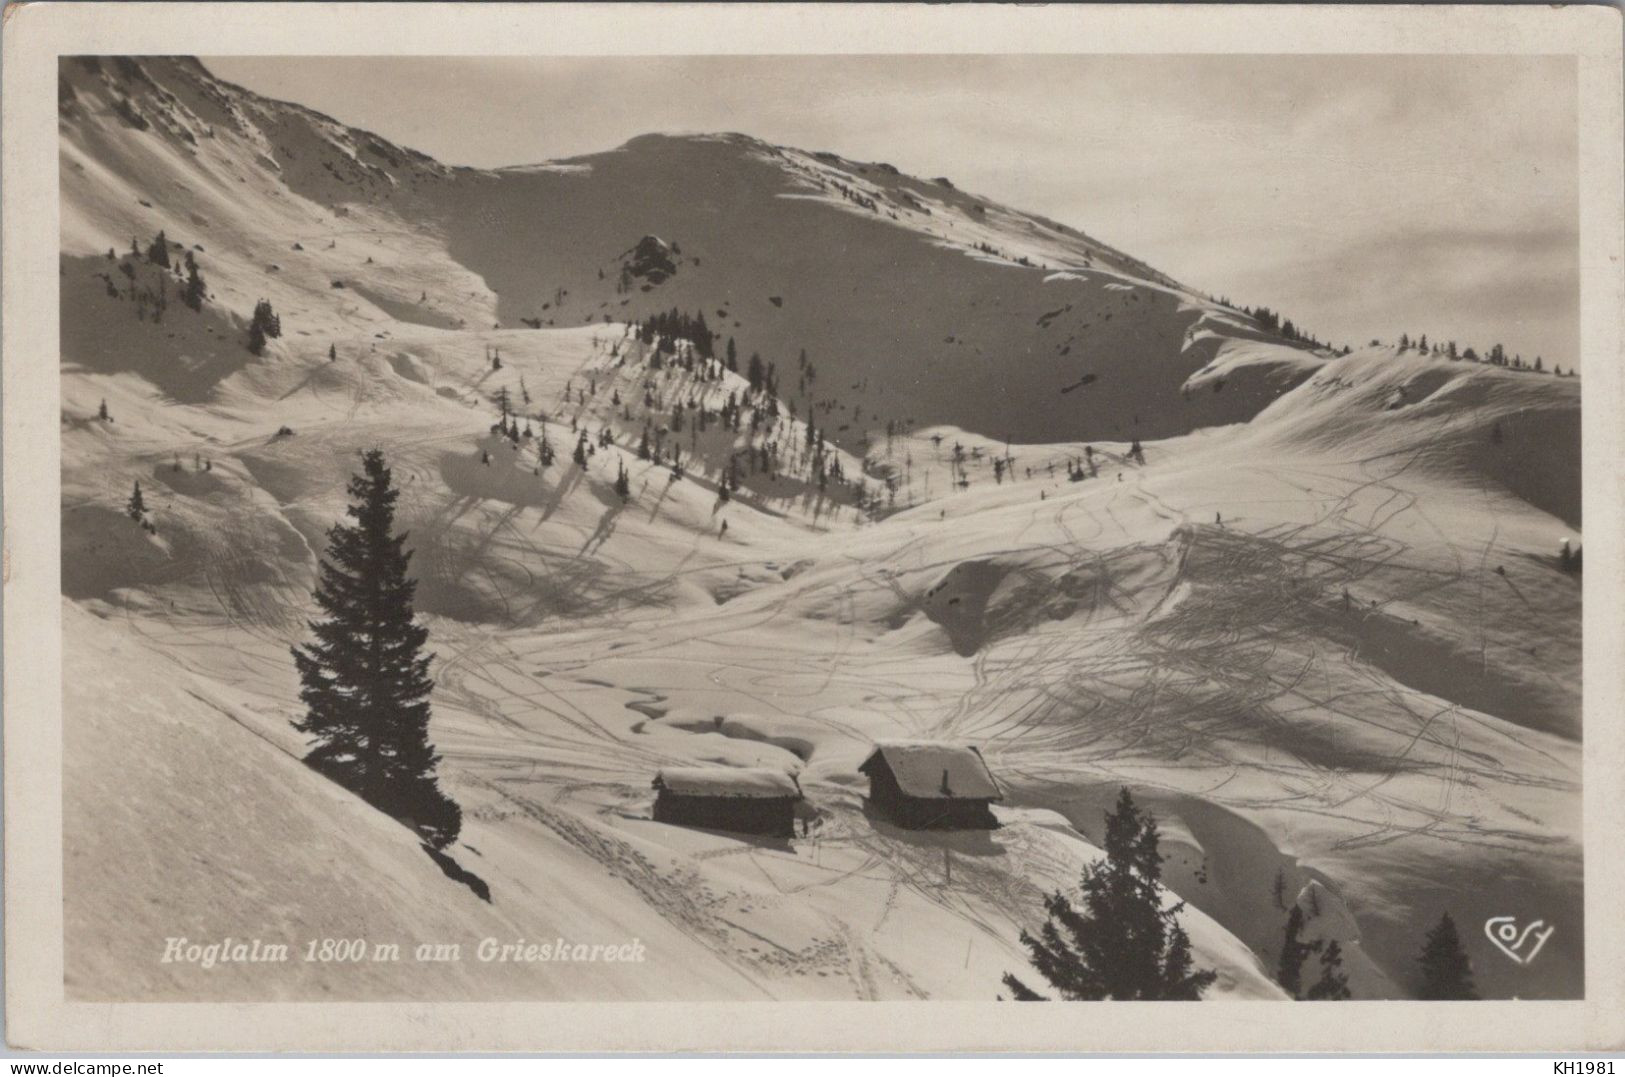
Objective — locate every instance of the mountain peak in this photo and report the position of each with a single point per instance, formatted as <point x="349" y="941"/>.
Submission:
<point x="932" y="304"/>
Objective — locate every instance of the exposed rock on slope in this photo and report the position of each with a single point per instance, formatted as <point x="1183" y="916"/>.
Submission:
<point x="651" y="260"/>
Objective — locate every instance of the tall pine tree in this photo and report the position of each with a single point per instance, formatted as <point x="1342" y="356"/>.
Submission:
<point x="1446" y="972"/>
<point x="158" y="251"/>
<point x="195" y="290"/>
<point x="1122" y="944"/>
<point x="365" y="679"/>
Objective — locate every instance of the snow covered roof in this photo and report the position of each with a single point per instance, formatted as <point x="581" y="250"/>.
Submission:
<point x="936" y="770"/>
<point x="753" y="782"/>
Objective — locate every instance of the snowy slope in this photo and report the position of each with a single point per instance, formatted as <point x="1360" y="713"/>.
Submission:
<point x="176" y="792"/>
<point x="1329" y="644"/>
<point x="916" y="303"/>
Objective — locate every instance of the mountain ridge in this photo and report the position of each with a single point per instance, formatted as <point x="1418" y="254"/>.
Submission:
<point x="1030" y="306"/>
<point x="1309" y="609"/>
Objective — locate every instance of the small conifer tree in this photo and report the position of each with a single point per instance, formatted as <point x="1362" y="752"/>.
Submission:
<point x="1333" y="984"/>
<point x="1446" y="971"/>
<point x="194" y="292"/>
<point x="268" y="319"/>
<point x="158" y="251"/>
<point x="1289" y="966"/>
<point x="136" y="508"/>
<point x="1121" y="944"/>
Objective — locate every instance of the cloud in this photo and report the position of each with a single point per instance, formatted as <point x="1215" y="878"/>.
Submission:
<point x="1479" y="286"/>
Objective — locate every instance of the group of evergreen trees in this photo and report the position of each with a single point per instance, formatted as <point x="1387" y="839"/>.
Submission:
<point x="1443" y="968"/>
<point x="1331" y="986"/>
<point x="1075" y="468"/>
<point x="158" y="250"/>
<point x="265" y="325"/>
<point x="766" y="449"/>
<point x="1120" y="942"/>
<point x="1271" y="321"/>
<point x="669" y="331"/>
<point x="153" y="297"/>
<point x="193" y="291"/>
<point x="1496" y="356"/>
<point x="675" y="325"/>
<point x="763" y="377"/>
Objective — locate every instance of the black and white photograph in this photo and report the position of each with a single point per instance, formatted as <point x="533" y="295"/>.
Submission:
<point x="822" y="527"/>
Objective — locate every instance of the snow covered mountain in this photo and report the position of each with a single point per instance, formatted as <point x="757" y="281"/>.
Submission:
<point x="915" y="302"/>
<point x="1316" y="624"/>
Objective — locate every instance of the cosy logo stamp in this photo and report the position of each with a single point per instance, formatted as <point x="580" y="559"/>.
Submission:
<point x="1521" y="944"/>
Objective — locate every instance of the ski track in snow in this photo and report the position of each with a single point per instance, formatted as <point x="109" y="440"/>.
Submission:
<point x="1404" y="746"/>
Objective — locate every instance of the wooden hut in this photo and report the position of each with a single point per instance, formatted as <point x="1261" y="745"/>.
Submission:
<point x="923" y="784"/>
<point x="745" y="800"/>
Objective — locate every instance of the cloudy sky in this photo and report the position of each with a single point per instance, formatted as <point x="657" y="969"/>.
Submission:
<point x="1363" y="196"/>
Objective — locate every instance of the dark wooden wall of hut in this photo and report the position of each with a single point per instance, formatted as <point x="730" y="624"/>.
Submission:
<point x="920" y="813"/>
<point x="773" y="816"/>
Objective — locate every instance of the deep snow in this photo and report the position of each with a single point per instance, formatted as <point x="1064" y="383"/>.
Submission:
<point x="1330" y="643"/>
